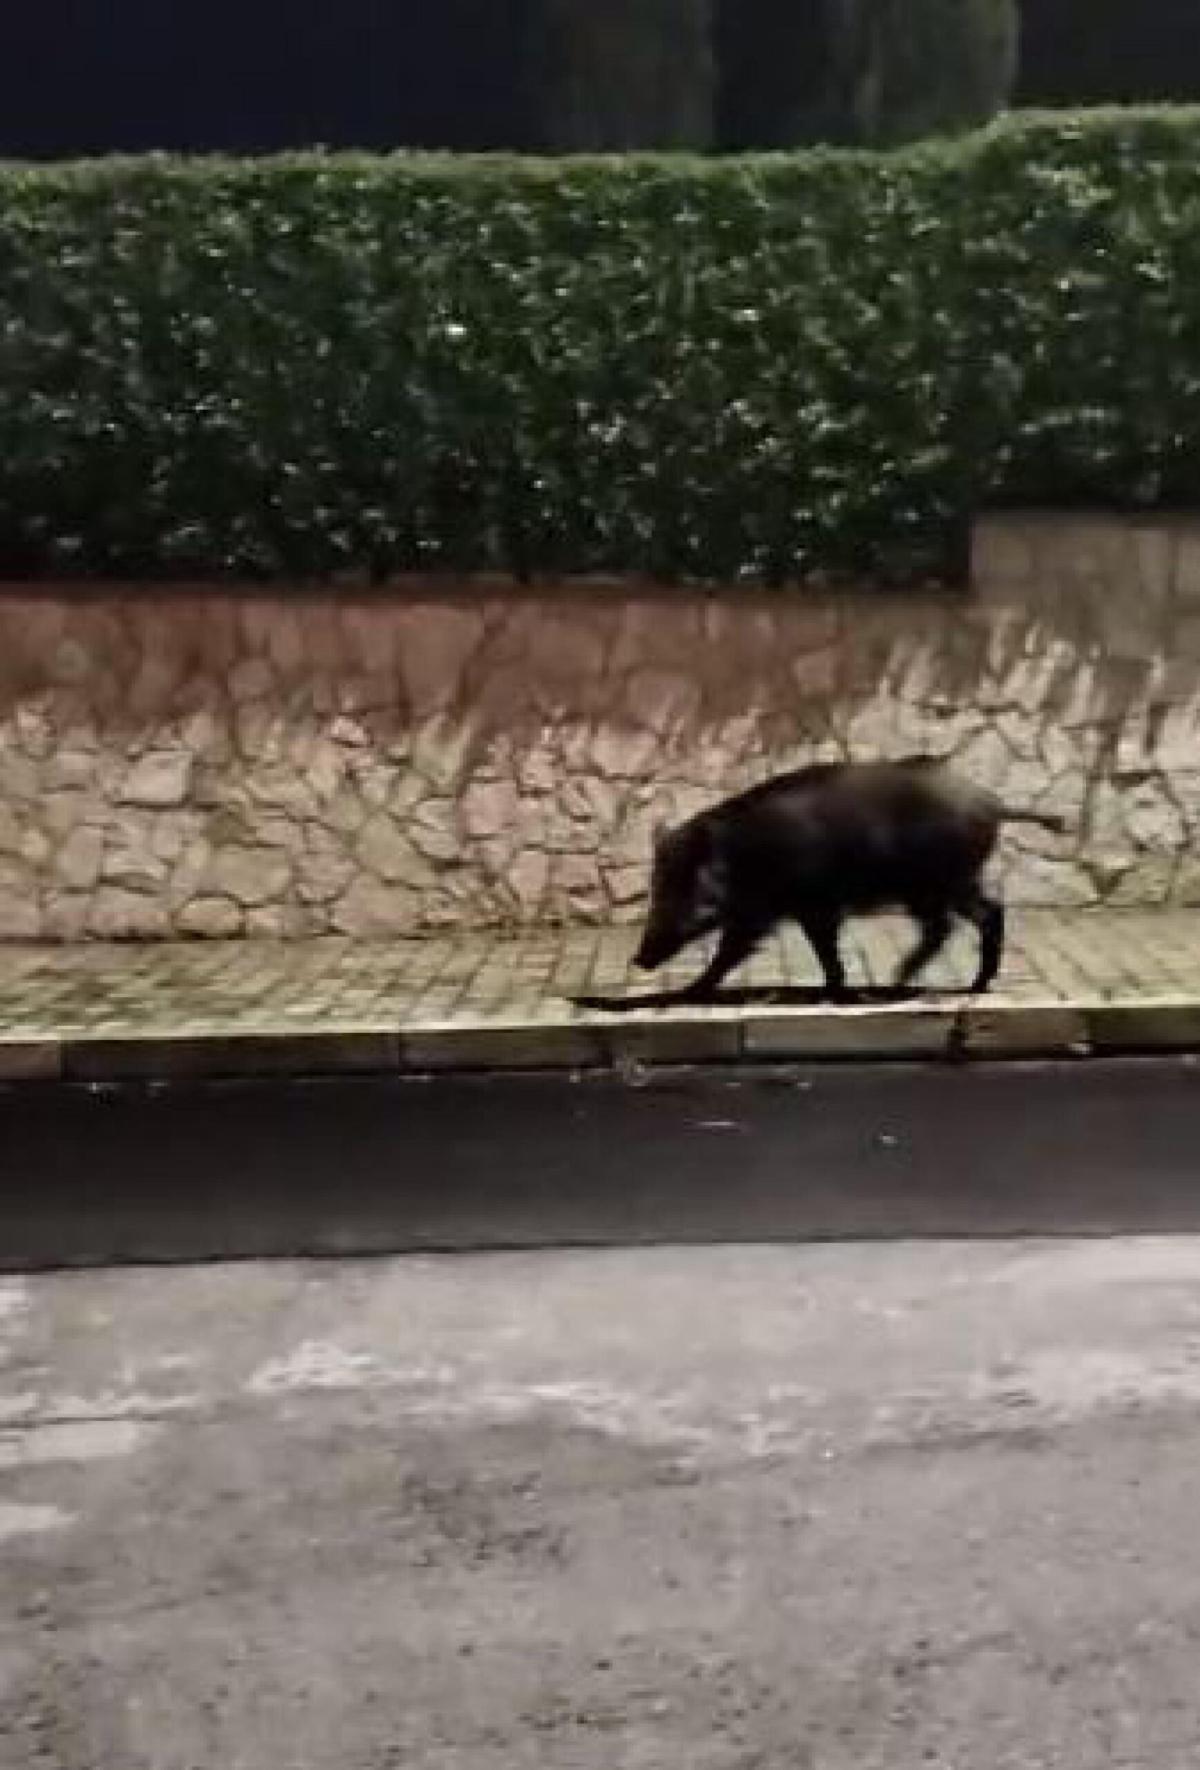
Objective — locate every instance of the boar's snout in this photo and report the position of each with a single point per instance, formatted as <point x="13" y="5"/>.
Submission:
<point x="686" y="895"/>
<point x="654" y="949"/>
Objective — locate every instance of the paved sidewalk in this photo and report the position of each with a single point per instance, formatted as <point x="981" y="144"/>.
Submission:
<point x="1074" y="982"/>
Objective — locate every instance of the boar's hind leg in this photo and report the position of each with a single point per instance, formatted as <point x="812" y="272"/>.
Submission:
<point x="935" y="932"/>
<point x="737" y="943"/>
<point x="988" y="917"/>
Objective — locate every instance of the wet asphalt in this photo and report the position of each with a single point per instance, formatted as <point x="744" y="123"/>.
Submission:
<point x="906" y="1506"/>
<point x="90" y="1176"/>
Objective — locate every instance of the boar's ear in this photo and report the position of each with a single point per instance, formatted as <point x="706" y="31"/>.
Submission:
<point x="660" y="832"/>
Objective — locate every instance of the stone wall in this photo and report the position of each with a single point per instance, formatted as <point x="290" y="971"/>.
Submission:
<point x="189" y="761"/>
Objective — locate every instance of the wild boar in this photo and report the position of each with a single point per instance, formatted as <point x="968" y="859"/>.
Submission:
<point x="827" y="842"/>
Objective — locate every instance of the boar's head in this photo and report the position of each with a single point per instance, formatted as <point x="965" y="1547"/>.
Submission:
<point x="687" y="892"/>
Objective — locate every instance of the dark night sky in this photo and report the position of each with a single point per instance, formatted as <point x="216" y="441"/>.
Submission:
<point x="88" y="76"/>
<point x="1118" y="51"/>
<point x="85" y="76"/>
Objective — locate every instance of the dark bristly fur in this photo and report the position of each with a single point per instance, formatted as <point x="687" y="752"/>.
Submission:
<point x="824" y="843"/>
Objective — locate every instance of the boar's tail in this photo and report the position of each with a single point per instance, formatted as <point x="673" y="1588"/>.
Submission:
<point x="1044" y="820"/>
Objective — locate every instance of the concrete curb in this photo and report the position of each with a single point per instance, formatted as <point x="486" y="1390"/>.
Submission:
<point x="972" y="1031"/>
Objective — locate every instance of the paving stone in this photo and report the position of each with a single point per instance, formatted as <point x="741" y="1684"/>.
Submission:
<point x="1102" y="979"/>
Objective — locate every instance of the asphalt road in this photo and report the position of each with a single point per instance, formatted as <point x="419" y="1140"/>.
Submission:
<point x="848" y="1507"/>
<point x="382" y="1167"/>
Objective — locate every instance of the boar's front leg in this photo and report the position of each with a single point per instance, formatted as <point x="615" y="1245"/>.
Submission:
<point x="822" y="929"/>
<point x="737" y="942"/>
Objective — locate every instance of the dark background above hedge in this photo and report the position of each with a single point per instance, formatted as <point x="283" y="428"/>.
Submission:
<point x="92" y="76"/>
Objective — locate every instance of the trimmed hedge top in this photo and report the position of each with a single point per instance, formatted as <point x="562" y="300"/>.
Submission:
<point x="815" y="364"/>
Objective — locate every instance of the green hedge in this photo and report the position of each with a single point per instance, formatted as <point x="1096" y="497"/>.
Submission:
<point x="819" y="363"/>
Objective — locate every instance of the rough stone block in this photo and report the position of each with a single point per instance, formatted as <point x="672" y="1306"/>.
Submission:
<point x="433" y="832"/>
<point x="69" y="768"/>
<point x="117" y="913"/>
<point x="489" y="808"/>
<point x="64" y="915"/>
<point x="321" y="877"/>
<point x="527" y="877"/>
<point x="385" y="849"/>
<point x="159" y="779"/>
<point x="248" y="875"/>
<point x="371" y="908"/>
<point x="216" y="917"/>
